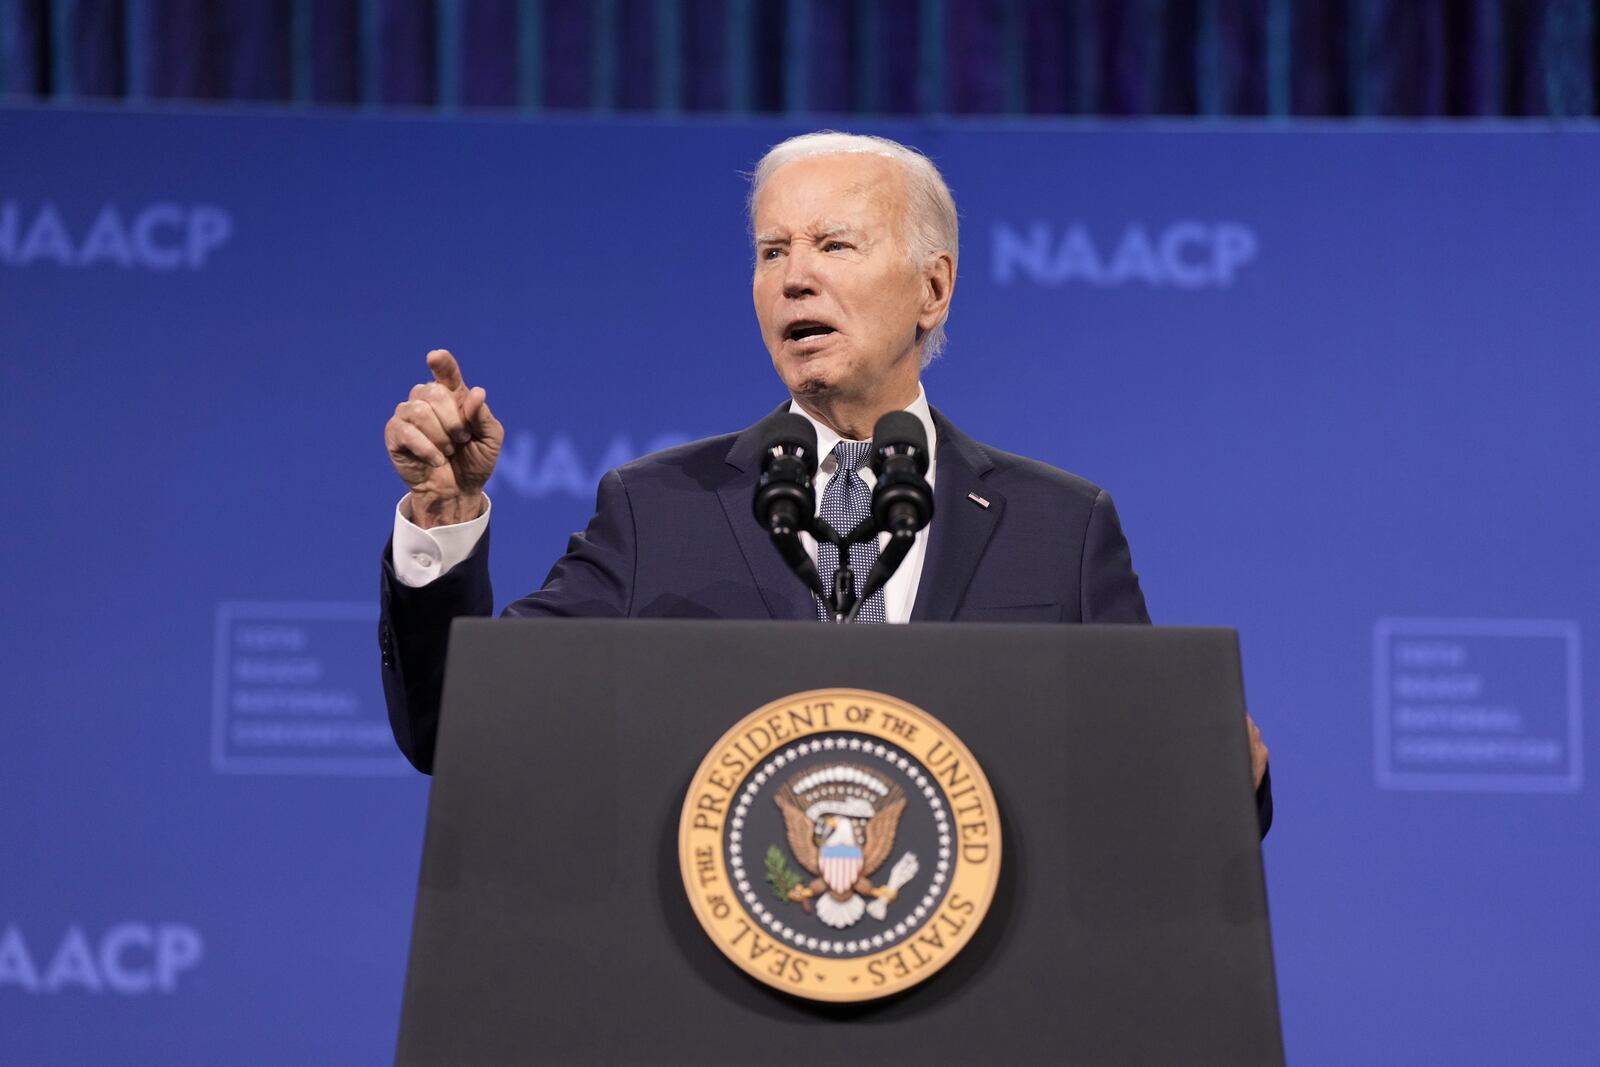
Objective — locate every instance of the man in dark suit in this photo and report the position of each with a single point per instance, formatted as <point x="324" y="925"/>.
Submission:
<point x="856" y="246"/>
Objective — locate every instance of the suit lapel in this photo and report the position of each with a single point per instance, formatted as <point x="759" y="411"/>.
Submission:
<point x="961" y="527"/>
<point x="783" y="593"/>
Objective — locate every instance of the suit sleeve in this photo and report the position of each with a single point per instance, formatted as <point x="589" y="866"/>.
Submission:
<point x="414" y="635"/>
<point x="1107" y="584"/>
<point x="1264" y="801"/>
<point x="1110" y="591"/>
<point x="593" y="579"/>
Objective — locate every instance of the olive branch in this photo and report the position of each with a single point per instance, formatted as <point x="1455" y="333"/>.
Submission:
<point x="782" y="877"/>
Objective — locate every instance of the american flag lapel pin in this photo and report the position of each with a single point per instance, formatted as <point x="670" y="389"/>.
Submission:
<point x="978" y="500"/>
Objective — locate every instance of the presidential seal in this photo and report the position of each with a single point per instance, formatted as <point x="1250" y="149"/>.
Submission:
<point x="839" y="844"/>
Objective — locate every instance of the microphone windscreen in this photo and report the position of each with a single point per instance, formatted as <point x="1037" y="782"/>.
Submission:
<point x="790" y="432"/>
<point x="898" y="430"/>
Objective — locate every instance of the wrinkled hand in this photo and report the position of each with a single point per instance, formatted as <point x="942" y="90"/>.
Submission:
<point x="1258" y="751"/>
<point x="443" y="441"/>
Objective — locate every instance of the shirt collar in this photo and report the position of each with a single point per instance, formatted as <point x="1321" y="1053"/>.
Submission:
<point x="827" y="437"/>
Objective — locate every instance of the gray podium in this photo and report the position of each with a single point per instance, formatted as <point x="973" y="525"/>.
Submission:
<point x="1130" y="923"/>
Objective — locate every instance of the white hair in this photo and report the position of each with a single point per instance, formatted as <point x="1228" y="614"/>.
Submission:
<point x="931" y="223"/>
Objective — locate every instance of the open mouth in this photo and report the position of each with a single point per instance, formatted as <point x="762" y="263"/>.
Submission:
<point x="805" y="330"/>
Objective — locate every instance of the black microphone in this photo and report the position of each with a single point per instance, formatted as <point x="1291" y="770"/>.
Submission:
<point x="785" y="497"/>
<point x="902" y="502"/>
<point x="786" y="501"/>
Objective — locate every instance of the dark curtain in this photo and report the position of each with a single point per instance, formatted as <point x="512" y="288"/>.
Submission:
<point x="1339" y="58"/>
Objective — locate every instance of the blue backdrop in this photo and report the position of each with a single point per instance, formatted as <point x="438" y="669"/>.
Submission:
<point x="1341" y="382"/>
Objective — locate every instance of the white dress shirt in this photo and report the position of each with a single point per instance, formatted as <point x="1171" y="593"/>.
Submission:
<point x="421" y="555"/>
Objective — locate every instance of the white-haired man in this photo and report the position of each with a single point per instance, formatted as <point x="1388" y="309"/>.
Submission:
<point x="855" y="264"/>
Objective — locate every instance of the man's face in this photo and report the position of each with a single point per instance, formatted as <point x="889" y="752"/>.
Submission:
<point x="838" y="301"/>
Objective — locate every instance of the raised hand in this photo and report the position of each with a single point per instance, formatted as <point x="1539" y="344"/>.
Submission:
<point x="443" y="441"/>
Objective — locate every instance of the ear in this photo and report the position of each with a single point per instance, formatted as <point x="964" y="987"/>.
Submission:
<point x="938" y="283"/>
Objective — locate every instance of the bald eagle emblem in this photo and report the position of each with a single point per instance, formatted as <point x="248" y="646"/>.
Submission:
<point x="840" y="820"/>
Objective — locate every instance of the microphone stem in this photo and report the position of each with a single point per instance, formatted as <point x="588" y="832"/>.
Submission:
<point x="889" y="560"/>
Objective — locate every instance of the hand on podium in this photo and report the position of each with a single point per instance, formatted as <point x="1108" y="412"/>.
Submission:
<point x="443" y="441"/>
<point x="1258" y="752"/>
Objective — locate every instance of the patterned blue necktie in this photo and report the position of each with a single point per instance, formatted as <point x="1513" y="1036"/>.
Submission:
<point x="845" y="502"/>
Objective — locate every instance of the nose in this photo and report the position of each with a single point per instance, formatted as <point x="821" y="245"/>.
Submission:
<point x="798" y="277"/>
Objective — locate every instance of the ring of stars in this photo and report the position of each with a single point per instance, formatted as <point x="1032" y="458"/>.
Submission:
<point x="843" y="746"/>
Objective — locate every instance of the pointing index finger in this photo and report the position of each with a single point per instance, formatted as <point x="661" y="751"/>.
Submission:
<point x="446" y="371"/>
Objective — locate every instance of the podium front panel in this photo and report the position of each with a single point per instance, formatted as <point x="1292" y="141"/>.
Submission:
<point x="1129" y="925"/>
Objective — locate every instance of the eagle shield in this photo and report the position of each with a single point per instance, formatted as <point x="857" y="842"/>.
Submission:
<point x="841" y="866"/>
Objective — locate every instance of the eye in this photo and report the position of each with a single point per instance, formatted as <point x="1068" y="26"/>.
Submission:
<point x="834" y="246"/>
<point x="768" y="254"/>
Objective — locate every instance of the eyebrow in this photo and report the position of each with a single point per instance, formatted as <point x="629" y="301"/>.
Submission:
<point x="831" y="230"/>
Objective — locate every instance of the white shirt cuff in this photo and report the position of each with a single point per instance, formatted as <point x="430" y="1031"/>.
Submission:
<point x="421" y="555"/>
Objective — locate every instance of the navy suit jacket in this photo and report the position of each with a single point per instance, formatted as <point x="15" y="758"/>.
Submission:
<point x="673" y="537"/>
